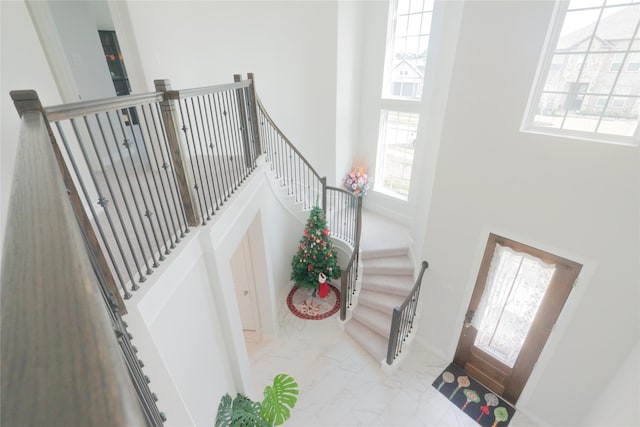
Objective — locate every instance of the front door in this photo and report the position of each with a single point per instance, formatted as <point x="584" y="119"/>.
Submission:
<point x="518" y="296"/>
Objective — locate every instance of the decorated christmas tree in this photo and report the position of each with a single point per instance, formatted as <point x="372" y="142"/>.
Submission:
<point x="316" y="253"/>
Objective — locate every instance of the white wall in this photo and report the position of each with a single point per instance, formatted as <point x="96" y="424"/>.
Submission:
<point x="348" y="73"/>
<point x="22" y="66"/>
<point x="575" y="198"/>
<point x="185" y="318"/>
<point x="77" y="24"/>
<point x="617" y="404"/>
<point x="290" y="46"/>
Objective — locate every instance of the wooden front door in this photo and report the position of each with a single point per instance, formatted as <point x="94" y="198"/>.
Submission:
<point x="518" y="296"/>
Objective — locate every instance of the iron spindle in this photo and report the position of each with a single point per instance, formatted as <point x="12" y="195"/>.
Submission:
<point x="232" y="141"/>
<point x="225" y="140"/>
<point x="215" y="169"/>
<point x="183" y="106"/>
<point x="144" y="202"/>
<point x="202" y="139"/>
<point x="166" y="209"/>
<point x="223" y="160"/>
<point x="173" y="189"/>
<point x="149" y="213"/>
<point x="84" y="153"/>
<point x="123" y="194"/>
<point x="95" y="218"/>
<point x="202" y="187"/>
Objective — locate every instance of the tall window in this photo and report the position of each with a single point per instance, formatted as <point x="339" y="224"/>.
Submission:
<point x="405" y="62"/>
<point x="588" y="84"/>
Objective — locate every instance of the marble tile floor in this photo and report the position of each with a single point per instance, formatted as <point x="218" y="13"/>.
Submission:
<point x="341" y="385"/>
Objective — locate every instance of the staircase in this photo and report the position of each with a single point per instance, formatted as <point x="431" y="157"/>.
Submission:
<point x="387" y="277"/>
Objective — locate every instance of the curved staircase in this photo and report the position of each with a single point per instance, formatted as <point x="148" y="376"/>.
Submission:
<point x="387" y="277"/>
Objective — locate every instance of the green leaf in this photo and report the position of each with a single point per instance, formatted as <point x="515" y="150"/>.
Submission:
<point x="241" y="412"/>
<point x="279" y="399"/>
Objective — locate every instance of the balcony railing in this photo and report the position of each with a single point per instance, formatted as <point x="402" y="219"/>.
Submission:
<point x="139" y="172"/>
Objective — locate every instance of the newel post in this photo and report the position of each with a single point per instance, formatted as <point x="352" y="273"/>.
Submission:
<point x="242" y="110"/>
<point x="254" y="113"/>
<point x="178" y="154"/>
<point x="26" y="101"/>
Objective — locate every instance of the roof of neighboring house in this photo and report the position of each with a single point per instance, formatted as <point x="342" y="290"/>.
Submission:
<point x="613" y="27"/>
<point x="419" y="70"/>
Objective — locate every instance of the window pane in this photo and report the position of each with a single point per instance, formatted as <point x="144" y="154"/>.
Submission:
<point x="620" y="117"/>
<point x="409" y="41"/>
<point x="550" y="112"/>
<point x="592" y="62"/>
<point x="396" y="148"/>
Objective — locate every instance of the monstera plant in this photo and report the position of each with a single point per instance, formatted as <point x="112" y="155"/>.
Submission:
<point x="274" y="410"/>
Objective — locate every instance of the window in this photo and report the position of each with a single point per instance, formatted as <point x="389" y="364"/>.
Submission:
<point x="405" y="64"/>
<point x="588" y="85"/>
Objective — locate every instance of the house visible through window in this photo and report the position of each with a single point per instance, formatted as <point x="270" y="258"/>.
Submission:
<point x="405" y="63"/>
<point x="588" y="82"/>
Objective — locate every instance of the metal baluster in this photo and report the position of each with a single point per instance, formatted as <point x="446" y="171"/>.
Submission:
<point x="146" y="208"/>
<point x="221" y="138"/>
<point x="103" y="201"/>
<point x="233" y="141"/>
<point x="148" y="213"/>
<point x="191" y="112"/>
<point x="124" y="197"/>
<point x="227" y="143"/>
<point x="206" y="160"/>
<point x="85" y="193"/>
<point x="112" y="193"/>
<point x="183" y="106"/>
<point x="162" y="209"/>
<point x="173" y="189"/>
<point x="217" y="170"/>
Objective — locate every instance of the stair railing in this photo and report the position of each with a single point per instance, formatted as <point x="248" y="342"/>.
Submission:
<point x="342" y="208"/>
<point x="349" y="277"/>
<point x="289" y="166"/>
<point x="61" y="363"/>
<point x="403" y="319"/>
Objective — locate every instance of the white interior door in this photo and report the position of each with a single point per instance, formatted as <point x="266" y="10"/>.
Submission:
<point x="244" y="280"/>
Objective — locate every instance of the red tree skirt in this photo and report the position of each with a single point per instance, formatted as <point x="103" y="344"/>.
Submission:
<point x="301" y="303"/>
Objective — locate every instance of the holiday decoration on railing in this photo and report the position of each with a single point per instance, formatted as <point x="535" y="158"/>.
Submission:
<point x="357" y="180"/>
<point x="316" y="254"/>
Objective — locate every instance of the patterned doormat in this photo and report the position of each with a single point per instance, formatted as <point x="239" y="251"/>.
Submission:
<point x="303" y="304"/>
<point x="473" y="398"/>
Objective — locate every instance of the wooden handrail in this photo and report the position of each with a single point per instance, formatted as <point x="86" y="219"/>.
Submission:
<point x="83" y="108"/>
<point x="61" y="363"/>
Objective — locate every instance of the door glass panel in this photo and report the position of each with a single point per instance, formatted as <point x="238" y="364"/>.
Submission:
<point x="515" y="286"/>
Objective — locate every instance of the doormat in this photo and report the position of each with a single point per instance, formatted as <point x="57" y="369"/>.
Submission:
<point x="303" y="304"/>
<point x="474" y="399"/>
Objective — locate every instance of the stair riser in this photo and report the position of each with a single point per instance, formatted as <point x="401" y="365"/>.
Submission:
<point x="370" y="341"/>
<point x="382" y="330"/>
<point x="383" y="253"/>
<point x="388" y="271"/>
<point x="386" y="289"/>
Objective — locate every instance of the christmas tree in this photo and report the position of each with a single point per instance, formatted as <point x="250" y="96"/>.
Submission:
<point x="316" y="253"/>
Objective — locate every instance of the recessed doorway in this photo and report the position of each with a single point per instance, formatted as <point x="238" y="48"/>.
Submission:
<point x="518" y="296"/>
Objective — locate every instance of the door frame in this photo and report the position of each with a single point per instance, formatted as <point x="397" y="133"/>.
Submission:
<point x="562" y="323"/>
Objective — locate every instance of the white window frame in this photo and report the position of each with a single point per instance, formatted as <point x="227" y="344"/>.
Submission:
<point x="544" y="65"/>
<point x="391" y="103"/>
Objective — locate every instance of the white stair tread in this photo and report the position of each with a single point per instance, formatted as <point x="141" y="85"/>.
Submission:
<point x="390" y="265"/>
<point x="378" y="321"/>
<point x="366" y="253"/>
<point x="391" y="284"/>
<point x="374" y="344"/>
<point x="381" y="301"/>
